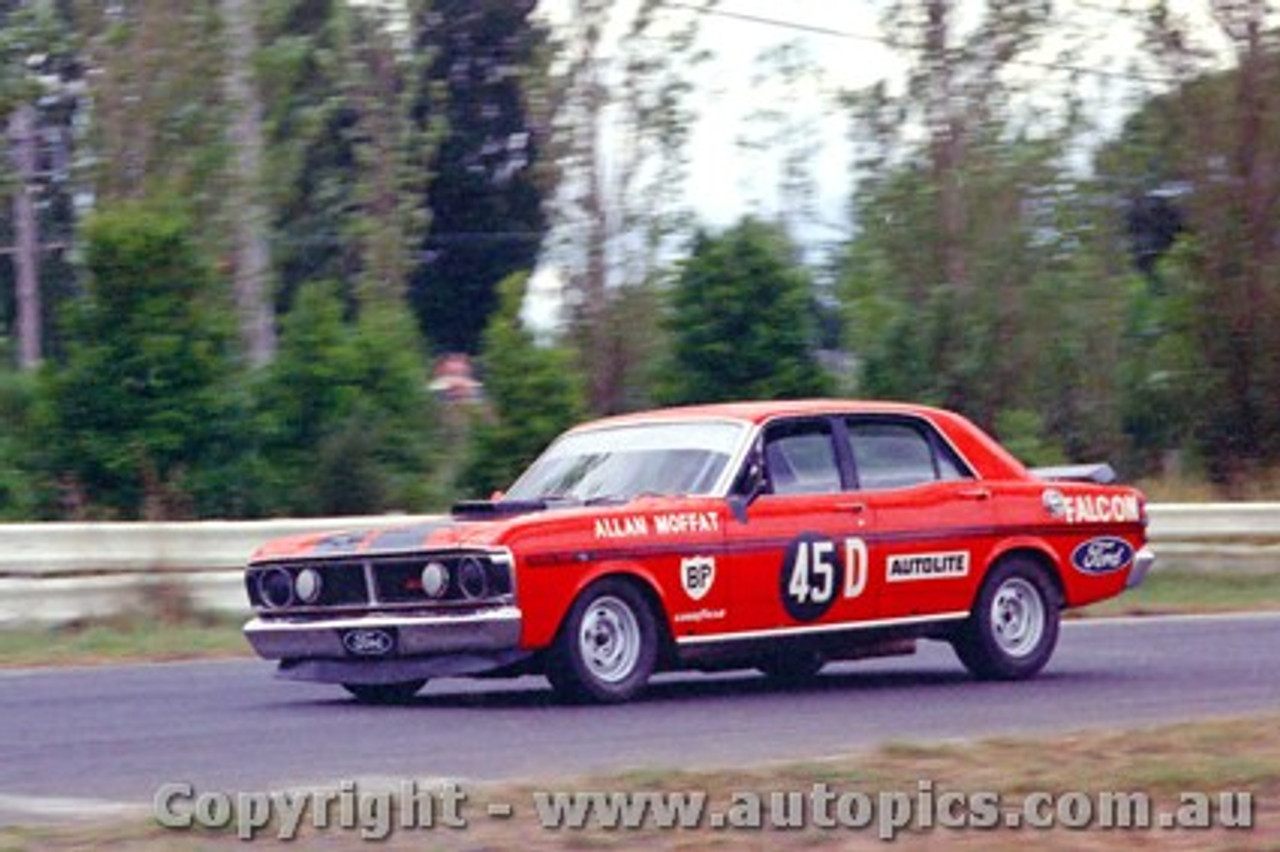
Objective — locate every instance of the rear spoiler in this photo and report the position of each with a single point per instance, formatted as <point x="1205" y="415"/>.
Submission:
<point x="1098" y="472"/>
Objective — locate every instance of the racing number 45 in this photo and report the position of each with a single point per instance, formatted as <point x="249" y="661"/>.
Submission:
<point x="812" y="575"/>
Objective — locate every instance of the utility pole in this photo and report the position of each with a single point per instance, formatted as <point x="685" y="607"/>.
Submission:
<point x="26" y="261"/>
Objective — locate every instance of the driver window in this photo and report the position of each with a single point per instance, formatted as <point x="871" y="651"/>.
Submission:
<point x="800" y="458"/>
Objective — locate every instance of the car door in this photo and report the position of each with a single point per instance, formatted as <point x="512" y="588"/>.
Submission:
<point x="797" y="554"/>
<point x="935" y="524"/>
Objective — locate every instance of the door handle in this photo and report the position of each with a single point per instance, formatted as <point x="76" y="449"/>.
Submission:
<point x="975" y="493"/>
<point x="852" y="506"/>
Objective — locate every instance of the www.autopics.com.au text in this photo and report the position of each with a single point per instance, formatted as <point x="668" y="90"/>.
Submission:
<point x="375" y="811"/>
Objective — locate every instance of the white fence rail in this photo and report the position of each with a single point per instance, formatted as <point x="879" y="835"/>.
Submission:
<point x="60" y="572"/>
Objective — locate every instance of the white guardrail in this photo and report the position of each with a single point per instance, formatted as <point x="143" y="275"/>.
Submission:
<point x="60" y="572"/>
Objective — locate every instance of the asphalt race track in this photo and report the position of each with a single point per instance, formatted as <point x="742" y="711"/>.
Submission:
<point x="82" y="741"/>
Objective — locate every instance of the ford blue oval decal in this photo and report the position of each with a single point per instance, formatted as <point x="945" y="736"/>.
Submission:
<point x="1102" y="555"/>
<point x="369" y="642"/>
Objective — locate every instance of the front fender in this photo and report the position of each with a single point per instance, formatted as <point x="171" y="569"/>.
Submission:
<point x="548" y="591"/>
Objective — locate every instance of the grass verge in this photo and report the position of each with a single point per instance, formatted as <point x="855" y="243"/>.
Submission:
<point x="133" y="637"/>
<point x="1180" y="591"/>
<point x="1240" y="756"/>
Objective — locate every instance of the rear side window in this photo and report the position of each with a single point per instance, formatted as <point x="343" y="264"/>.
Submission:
<point x="900" y="454"/>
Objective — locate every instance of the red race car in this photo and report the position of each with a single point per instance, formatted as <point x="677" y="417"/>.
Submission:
<point x="773" y="535"/>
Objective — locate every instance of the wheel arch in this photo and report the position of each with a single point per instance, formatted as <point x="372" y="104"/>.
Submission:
<point x="1037" y="552"/>
<point x="632" y="641"/>
<point x="633" y="573"/>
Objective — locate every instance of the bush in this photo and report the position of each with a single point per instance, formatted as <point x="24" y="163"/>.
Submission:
<point x="141" y="419"/>
<point x="344" y="415"/>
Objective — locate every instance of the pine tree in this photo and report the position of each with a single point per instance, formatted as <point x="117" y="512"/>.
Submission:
<point x="486" y="198"/>
<point x="740" y="321"/>
<point x="532" y="392"/>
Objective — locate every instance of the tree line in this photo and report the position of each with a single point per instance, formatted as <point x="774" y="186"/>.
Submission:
<point x="241" y="232"/>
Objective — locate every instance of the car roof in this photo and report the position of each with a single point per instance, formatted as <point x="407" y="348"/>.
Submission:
<point x="982" y="453"/>
<point x="759" y="411"/>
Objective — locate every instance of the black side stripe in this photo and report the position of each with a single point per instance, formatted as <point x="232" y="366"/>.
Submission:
<point x="722" y="548"/>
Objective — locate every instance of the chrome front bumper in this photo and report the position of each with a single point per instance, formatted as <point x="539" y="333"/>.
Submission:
<point x="417" y="635"/>
<point x="1143" y="561"/>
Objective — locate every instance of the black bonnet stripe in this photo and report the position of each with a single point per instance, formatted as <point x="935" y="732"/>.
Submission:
<point x="407" y="538"/>
<point x="340" y="544"/>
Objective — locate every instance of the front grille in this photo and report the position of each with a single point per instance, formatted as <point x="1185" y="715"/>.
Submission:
<point x="473" y="577"/>
<point x="344" y="584"/>
<point x="341" y="584"/>
<point x="400" y="580"/>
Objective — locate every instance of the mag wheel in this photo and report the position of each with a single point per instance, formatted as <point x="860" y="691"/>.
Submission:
<point x="607" y="647"/>
<point x="1014" y="625"/>
<point x="384" y="693"/>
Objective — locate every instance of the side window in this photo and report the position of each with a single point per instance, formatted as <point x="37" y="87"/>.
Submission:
<point x="800" y="458"/>
<point x="894" y="454"/>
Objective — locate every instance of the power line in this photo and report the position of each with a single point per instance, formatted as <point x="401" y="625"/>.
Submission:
<point x="814" y="29"/>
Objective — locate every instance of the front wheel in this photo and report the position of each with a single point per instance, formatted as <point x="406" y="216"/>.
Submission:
<point x="384" y="693"/>
<point x="607" y="647"/>
<point x="1013" y="628"/>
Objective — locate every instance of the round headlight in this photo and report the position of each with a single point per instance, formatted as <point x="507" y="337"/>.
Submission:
<point x="472" y="577"/>
<point x="435" y="579"/>
<point x="308" y="585"/>
<point x="275" y="587"/>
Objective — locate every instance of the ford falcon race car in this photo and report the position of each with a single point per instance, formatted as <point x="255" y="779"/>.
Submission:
<point x="771" y="535"/>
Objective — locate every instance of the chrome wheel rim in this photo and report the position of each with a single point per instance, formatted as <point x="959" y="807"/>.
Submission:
<point x="610" y="639"/>
<point x="1017" y="617"/>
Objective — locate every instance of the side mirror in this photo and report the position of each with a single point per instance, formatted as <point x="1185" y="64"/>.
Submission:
<point x="751" y="484"/>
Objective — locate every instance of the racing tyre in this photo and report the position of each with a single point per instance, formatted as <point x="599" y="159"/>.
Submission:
<point x="607" y="647"/>
<point x="1013" y="628"/>
<point x="384" y="693"/>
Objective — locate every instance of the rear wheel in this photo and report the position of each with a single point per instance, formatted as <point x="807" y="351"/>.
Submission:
<point x="1014" y="625"/>
<point x="608" y="645"/>
<point x="384" y="693"/>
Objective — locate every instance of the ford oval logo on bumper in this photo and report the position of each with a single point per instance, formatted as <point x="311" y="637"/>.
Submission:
<point x="1102" y="555"/>
<point x="369" y="642"/>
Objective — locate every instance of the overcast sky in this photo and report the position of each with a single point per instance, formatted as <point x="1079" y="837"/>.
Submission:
<point x="844" y="41"/>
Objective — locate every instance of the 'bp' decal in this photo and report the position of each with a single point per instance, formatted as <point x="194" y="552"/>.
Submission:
<point x="697" y="574"/>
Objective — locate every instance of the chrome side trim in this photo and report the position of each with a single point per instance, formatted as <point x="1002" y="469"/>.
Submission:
<point x="822" y="628"/>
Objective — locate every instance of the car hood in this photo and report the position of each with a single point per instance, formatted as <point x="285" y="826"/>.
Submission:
<point x="422" y="533"/>
<point x="535" y="528"/>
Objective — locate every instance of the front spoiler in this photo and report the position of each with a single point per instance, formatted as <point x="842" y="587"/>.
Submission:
<point x="398" y="669"/>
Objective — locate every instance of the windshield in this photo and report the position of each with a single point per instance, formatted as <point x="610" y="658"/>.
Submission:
<point x="622" y="462"/>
